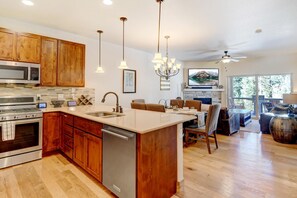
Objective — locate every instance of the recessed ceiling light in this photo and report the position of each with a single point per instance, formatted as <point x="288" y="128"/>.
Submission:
<point x="259" y="30"/>
<point x="107" y="2"/>
<point x="28" y="2"/>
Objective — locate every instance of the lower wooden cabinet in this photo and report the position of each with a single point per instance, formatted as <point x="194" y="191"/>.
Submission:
<point x="67" y="134"/>
<point x="51" y="132"/>
<point x="93" y="159"/>
<point x="87" y="151"/>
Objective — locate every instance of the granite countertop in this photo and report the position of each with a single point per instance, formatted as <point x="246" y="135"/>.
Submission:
<point x="139" y="121"/>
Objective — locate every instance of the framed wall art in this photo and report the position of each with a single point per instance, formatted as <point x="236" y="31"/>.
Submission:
<point x="164" y="84"/>
<point x="129" y="81"/>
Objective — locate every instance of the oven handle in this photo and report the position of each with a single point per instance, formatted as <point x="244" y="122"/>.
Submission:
<point x="27" y="121"/>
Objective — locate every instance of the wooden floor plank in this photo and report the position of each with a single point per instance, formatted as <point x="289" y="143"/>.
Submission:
<point x="245" y="165"/>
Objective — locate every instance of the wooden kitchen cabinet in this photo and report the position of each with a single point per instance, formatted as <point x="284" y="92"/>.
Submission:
<point x="79" y="147"/>
<point x="67" y="135"/>
<point x="49" y="58"/>
<point x="51" y="132"/>
<point x="7" y="44"/>
<point x="23" y="47"/>
<point x="87" y="150"/>
<point x="28" y="47"/>
<point x="71" y="64"/>
<point x="93" y="159"/>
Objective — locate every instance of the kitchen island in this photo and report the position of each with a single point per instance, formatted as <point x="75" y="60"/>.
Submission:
<point x="159" y="159"/>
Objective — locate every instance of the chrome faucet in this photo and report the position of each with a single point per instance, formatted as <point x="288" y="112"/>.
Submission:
<point x="118" y="108"/>
<point x="165" y="102"/>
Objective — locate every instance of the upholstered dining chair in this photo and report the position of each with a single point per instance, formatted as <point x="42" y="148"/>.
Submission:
<point x="136" y="105"/>
<point x="155" y="107"/>
<point x="193" y="103"/>
<point x="177" y="102"/>
<point x="208" y="130"/>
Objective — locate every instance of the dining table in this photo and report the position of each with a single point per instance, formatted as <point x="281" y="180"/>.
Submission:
<point x="188" y="111"/>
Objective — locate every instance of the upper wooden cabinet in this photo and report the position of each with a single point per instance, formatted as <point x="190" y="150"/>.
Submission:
<point x="21" y="47"/>
<point x="49" y="58"/>
<point x="7" y="44"/>
<point x="71" y="64"/>
<point x="28" y="48"/>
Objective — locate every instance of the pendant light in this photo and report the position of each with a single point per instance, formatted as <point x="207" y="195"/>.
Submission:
<point x="164" y="67"/>
<point x="99" y="68"/>
<point x="123" y="64"/>
<point x="158" y="56"/>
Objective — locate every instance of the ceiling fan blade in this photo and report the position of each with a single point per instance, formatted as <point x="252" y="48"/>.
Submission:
<point x="218" y="62"/>
<point x="234" y="60"/>
<point x="239" y="57"/>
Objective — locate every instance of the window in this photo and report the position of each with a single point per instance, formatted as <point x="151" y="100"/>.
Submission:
<point x="247" y="91"/>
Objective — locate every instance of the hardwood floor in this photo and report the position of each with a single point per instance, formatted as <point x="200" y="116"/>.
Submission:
<point x="245" y="165"/>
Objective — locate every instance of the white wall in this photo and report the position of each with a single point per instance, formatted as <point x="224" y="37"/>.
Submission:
<point x="148" y="83"/>
<point x="281" y="64"/>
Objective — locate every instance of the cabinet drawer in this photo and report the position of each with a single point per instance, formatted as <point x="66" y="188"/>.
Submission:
<point x="68" y="130"/>
<point x="68" y="151"/>
<point x="68" y="119"/>
<point x="68" y="141"/>
<point x="88" y="126"/>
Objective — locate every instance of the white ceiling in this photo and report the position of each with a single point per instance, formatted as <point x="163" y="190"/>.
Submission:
<point x="199" y="29"/>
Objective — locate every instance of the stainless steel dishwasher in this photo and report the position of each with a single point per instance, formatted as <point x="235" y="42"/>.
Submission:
<point x="119" y="161"/>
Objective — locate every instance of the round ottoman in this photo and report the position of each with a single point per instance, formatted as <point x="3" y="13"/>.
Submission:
<point x="284" y="129"/>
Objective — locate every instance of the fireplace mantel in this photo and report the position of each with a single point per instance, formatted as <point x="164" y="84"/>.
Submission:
<point x="215" y="94"/>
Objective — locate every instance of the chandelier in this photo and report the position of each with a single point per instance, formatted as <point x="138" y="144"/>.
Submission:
<point x="164" y="66"/>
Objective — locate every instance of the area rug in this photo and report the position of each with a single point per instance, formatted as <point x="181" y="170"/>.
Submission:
<point x="253" y="127"/>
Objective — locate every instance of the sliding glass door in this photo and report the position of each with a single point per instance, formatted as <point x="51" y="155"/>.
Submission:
<point x="252" y="92"/>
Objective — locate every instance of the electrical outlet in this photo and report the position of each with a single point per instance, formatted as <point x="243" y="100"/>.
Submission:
<point x="38" y="96"/>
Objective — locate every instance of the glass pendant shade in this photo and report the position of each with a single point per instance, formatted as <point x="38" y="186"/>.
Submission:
<point x="99" y="70"/>
<point x="123" y="65"/>
<point x="226" y="60"/>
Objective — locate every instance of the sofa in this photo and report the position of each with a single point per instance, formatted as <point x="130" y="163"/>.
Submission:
<point x="228" y="123"/>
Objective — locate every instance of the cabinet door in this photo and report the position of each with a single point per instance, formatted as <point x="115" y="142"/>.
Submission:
<point x="28" y="47"/>
<point x="51" y="132"/>
<point x="71" y="64"/>
<point x="93" y="161"/>
<point x="7" y="44"/>
<point x="49" y="47"/>
<point x="79" y="147"/>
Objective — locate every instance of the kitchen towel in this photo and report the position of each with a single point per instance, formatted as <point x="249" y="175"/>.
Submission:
<point x="8" y="131"/>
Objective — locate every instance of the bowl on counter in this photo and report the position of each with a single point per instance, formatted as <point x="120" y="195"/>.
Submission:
<point x="57" y="103"/>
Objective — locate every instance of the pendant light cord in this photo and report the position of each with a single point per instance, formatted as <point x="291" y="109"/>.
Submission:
<point x="100" y="49"/>
<point x="99" y="43"/>
<point x="123" y="19"/>
<point x="159" y="25"/>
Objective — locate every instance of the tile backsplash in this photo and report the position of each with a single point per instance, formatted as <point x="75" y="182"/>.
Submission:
<point x="48" y="93"/>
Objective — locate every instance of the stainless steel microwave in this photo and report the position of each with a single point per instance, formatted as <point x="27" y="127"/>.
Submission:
<point x="17" y="72"/>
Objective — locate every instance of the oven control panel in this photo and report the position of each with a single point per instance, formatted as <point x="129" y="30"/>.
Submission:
<point x="8" y="117"/>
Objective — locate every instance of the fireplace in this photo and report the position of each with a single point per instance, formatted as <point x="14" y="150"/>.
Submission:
<point x="204" y="100"/>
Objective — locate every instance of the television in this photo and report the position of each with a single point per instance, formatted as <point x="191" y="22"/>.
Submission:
<point x="203" y="77"/>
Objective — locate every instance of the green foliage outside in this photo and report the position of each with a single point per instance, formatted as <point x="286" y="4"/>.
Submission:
<point x="272" y="86"/>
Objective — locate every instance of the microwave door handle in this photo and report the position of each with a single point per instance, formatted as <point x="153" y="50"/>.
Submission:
<point x="29" y="74"/>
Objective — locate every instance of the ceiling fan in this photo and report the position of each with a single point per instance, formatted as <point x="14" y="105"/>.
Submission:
<point x="227" y="58"/>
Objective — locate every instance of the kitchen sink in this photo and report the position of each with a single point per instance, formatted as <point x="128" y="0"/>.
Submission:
<point x="105" y="114"/>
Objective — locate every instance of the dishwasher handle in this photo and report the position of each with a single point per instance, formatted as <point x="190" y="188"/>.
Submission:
<point x="124" y="137"/>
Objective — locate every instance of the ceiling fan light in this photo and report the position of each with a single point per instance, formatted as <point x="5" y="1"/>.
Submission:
<point x="123" y="65"/>
<point x="99" y="70"/>
<point x="107" y="2"/>
<point x="226" y="60"/>
<point x="28" y="2"/>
